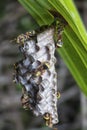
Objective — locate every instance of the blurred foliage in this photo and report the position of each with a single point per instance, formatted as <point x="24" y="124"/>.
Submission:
<point x="27" y="23"/>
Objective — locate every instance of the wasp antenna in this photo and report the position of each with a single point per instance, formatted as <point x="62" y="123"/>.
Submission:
<point x="13" y="40"/>
<point x="55" y="128"/>
<point x="14" y="81"/>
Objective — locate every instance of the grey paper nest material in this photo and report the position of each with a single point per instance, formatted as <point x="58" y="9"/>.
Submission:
<point x="36" y="72"/>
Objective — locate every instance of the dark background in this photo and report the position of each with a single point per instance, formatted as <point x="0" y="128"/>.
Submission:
<point x="72" y="105"/>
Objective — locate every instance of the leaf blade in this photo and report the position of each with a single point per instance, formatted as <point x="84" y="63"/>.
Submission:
<point x="33" y="8"/>
<point x="71" y="58"/>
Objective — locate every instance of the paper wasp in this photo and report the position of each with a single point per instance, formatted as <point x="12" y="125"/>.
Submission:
<point x="24" y="37"/>
<point x="47" y="117"/>
<point x="41" y="69"/>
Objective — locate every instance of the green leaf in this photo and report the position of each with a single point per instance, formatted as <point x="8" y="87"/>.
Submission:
<point x="76" y="43"/>
<point x="74" y="62"/>
<point x="42" y="15"/>
<point x="45" y="4"/>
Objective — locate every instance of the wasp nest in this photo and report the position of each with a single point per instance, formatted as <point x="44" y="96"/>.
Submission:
<point x="36" y="73"/>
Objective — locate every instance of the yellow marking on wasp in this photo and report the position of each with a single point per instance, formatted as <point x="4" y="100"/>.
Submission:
<point x="47" y="64"/>
<point x="38" y="73"/>
<point x="58" y="95"/>
<point x="46" y="117"/>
